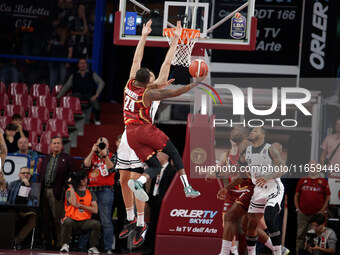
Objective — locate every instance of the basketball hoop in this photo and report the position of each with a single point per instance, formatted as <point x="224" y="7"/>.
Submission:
<point x="185" y="44"/>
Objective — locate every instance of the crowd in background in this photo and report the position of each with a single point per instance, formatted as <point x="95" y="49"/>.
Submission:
<point x="70" y="36"/>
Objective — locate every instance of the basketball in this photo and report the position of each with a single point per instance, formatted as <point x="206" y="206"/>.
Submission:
<point x="198" y="67"/>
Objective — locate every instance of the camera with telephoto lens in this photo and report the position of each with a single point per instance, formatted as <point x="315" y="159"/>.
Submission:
<point x="311" y="238"/>
<point x="76" y="177"/>
<point x="101" y="145"/>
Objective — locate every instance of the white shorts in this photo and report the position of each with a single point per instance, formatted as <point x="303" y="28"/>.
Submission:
<point x="264" y="197"/>
<point x="126" y="157"/>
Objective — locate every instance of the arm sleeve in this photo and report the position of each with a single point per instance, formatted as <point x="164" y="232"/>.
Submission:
<point x="99" y="82"/>
<point x="68" y="85"/>
<point x="298" y="186"/>
<point x="324" y="144"/>
<point x="331" y="243"/>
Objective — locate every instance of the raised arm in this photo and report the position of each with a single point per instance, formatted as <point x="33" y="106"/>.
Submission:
<point x="137" y="58"/>
<point x="3" y="148"/>
<point x="277" y="161"/>
<point x="165" y="68"/>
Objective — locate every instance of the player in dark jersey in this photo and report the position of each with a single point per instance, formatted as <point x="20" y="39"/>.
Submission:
<point x="144" y="137"/>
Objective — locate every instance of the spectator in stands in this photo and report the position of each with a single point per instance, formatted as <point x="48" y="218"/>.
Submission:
<point x="24" y="192"/>
<point x="54" y="172"/>
<point x="9" y="136"/>
<point x="81" y="203"/>
<point x="311" y="197"/>
<point x="159" y="187"/>
<point x="79" y="32"/>
<point x="330" y="151"/>
<point x="3" y="148"/>
<point x="23" y="149"/>
<point x="101" y="180"/>
<point x="18" y="121"/>
<point x="59" y="46"/>
<point x="83" y="84"/>
<point x="3" y="188"/>
<point x="320" y="239"/>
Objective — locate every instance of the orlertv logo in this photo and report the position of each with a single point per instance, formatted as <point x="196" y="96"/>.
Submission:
<point x="209" y="93"/>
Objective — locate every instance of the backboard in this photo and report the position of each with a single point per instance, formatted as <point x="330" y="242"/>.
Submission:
<point x="232" y="29"/>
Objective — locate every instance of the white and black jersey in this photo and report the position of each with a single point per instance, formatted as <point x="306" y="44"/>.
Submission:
<point x="260" y="163"/>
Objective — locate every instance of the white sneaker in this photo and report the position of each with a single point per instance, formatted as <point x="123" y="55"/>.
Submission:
<point x="65" y="248"/>
<point x="97" y="122"/>
<point x="284" y="250"/>
<point x="93" y="250"/>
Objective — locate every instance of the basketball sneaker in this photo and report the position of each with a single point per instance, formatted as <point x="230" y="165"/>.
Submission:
<point x="65" y="248"/>
<point x="190" y="192"/>
<point x="284" y="250"/>
<point x="139" y="235"/>
<point x="93" y="250"/>
<point x="129" y="226"/>
<point x="137" y="188"/>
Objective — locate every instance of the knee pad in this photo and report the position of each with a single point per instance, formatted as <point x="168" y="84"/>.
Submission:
<point x="154" y="166"/>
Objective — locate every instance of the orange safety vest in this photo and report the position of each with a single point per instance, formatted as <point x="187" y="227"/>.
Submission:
<point x="78" y="213"/>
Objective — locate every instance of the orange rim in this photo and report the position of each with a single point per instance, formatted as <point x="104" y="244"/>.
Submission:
<point x="186" y="36"/>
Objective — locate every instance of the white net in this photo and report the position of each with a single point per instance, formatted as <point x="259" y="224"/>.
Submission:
<point x="185" y="45"/>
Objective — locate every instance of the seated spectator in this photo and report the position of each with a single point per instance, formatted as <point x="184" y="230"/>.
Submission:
<point x="24" y="192"/>
<point x="320" y="239"/>
<point x="80" y="205"/>
<point x="12" y="137"/>
<point x="9" y="136"/>
<point x="311" y="197"/>
<point x="3" y="188"/>
<point x="23" y="149"/>
<point x="83" y="84"/>
<point x="17" y="120"/>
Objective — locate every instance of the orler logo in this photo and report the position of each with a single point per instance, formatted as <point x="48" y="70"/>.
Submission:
<point x="193" y="213"/>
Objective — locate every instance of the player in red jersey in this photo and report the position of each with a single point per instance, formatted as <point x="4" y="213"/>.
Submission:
<point x="144" y="137"/>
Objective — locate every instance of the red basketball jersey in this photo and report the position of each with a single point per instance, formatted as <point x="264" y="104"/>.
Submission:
<point x="135" y="112"/>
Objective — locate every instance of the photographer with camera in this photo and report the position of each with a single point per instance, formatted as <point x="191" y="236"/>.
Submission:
<point x="320" y="239"/>
<point x="80" y="203"/>
<point x="101" y="175"/>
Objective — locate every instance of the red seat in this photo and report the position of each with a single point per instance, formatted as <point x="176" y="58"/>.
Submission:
<point x="25" y="101"/>
<point x="16" y="88"/>
<point x="33" y="124"/>
<point x="4" y="121"/>
<point x="72" y="103"/>
<point x="39" y="112"/>
<point x="14" y="109"/>
<point x="47" y="101"/>
<point x="64" y="114"/>
<point x="3" y="101"/>
<point x="39" y="90"/>
<point x="47" y="135"/>
<point x="3" y="89"/>
<point x="42" y="148"/>
<point x="56" y="125"/>
<point x="33" y="137"/>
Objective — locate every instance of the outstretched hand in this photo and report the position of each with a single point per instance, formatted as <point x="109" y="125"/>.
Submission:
<point x="178" y="30"/>
<point x="160" y="85"/>
<point x="147" y="28"/>
<point x="200" y="79"/>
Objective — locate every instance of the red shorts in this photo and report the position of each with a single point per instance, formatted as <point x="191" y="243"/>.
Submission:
<point x="245" y="197"/>
<point x="230" y="200"/>
<point x="145" y="140"/>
